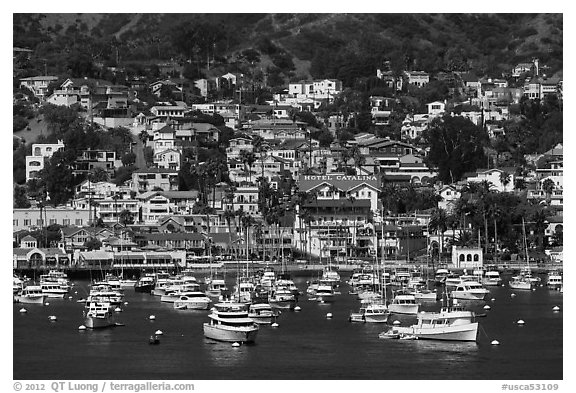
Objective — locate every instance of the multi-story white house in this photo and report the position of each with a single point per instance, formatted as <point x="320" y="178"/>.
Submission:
<point x="436" y="108"/>
<point x="495" y="177"/>
<point x="38" y="84"/>
<point x="417" y="78"/>
<point x="147" y="179"/>
<point x="449" y="195"/>
<point x="168" y="159"/>
<point x="40" y="152"/>
<point x="237" y="145"/>
<point x="109" y="209"/>
<point x="165" y="111"/>
<point x="163" y="139"/>
<point x="246" y="199"/>
<point x="63" y="98"/>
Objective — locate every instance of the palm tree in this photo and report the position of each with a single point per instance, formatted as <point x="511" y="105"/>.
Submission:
<point x="505" y="179"/>
<point x="548" y="186"/>
<point x="229" y="216"/>
<point x="438" y="223"/>
<point x="248" y="158"/>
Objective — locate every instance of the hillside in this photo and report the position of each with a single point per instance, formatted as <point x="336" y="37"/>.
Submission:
<point x="291" y="46"/>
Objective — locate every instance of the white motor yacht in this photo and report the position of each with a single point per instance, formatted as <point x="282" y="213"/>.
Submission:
<point x="492" y="278"/>
<point x="374" y="312"/>
<point x="216" y="288"/>
<point x="554" y="280"/>
<point x="98" y="315"/>
<point x="470" y="290"/>
<point x="262" y="313"/>
<point x="32" y="294"/>
<point x="192" y="301"/>
<point x="230" y="322"/>
<point x="450" y="324"/>
<point x="53" y="290"/>
<point x="404" y="303"/>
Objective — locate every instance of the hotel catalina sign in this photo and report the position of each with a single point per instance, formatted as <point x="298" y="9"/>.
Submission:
<point x="341" y="177"/>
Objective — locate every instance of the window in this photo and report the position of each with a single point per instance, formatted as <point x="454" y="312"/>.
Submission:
<point x="52" y="221"/>
<point x="27" y="222"/>
<point x="66" y="221"/>
<point x="369" y="194"/>
<point x="476" y="258"/>
<point x="78" y="222"/>
<point x="15" y="223"/>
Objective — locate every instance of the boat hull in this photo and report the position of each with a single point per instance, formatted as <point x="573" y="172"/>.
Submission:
<point x="223" y="333"/>
<point x="376" y="318"/>
<point x="144" y="288"/>
<point x="36" y="299"/>
<point x="527" y="286"/>
<point x="408" y="309"/>
<point x="55" y="295"/>
<point x="463" y="332"/>
<point x="469" y="295"/>
<point x="98" y="323"/>
<point x="191" y="305"/>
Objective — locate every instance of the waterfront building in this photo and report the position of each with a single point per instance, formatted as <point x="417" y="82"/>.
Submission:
<point x="30" y="218"/>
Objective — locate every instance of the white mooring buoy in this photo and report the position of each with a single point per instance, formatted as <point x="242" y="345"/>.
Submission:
<point x="556" y="308"/>
<point x="125" y="303"/>
<point x="493" y="299"/>
<point x="486" y="307"/>
<point x="117" y="309"/>
<point x="297" y="308"/>
<point x="158" y="332"/>
<point x="236" y="345"/>
<point x="513" y="295"/>
<point x="23" y="310"/>
<point x="396" y="323"/>
<point x="81" y="327"/>
<point x="495" y="342"/>
<point x="52" y="318"/>
<point x="329" y="315"/>
<point x="152" y="317"/>
<point x="275" y="324"/>
<point x="46" y="304"/>
<point x="520" y="322"/>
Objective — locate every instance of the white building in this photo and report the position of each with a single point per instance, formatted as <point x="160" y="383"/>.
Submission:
<point x="40" y="152"/>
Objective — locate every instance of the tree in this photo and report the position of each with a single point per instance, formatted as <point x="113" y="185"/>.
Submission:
<point x="20" y="198"/>
<point x="548" y="187"/>
<point x="99" y="174"/>
<point x="126" y="217"/>
<point x="129" y="159"/>
<point x="456" y="147"/>
<point x="92" y="244"/>
<point x="505" y="179"/>
<point x="58" y="178"/>
<point x="439" y="223"/>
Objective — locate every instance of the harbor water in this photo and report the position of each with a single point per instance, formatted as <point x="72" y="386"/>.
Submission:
<point x="305" y="346"/>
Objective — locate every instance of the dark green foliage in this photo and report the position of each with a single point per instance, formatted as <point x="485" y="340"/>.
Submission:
<point x="20" y="197"/>
<point x="124" y="173"/>
<point x="58" y="178"/>
<point x="128" y="159"/>
<point x="456" y="147"/>
<point x="19" y="123"/>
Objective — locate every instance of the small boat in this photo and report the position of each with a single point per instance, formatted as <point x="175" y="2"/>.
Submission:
<point x="262" y="313"/>
<point x="32" y="294"/>
<point x="216" y="288"/>
<point x="425" y="295"/>
<point x="470" y="290"/>
<point x="192" y="301"/>
<point x="229" y="322"/>
<point x="98" y="315"/>
<point x="282" y="297"/>
<point x="325" y="292"/>
<point x="331" y="276"/>
<point x="450" y="324"/>
<point x="145" y="284"/>
<point x="492" y="278"/>
<point x="521" y="282"/>
<point x="554" y="280"/>
<point x="154" y="340"/>
<point x="374" y="312"/>
<point x="404" y="303"/>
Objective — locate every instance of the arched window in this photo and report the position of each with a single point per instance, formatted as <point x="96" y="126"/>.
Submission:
<point x="461" y="257"/>
<point x="37" y="151"/>
<point x="469" y="258"/>
<point x="476" y="257"/>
